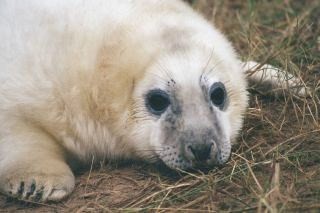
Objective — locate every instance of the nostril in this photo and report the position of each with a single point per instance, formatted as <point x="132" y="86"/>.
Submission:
<point x="201" y="152"/>
<point x="214" y="147"/>
<point x="192" y="150"/>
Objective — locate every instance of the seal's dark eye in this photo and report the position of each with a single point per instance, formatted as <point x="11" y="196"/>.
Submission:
<point x="218" y="94"/>
<point x="157" y="101"/>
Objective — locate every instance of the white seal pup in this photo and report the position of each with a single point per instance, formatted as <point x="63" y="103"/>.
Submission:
<point x="111" y="79"/>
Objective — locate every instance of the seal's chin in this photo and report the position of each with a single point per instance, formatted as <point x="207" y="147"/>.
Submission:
<point x="187" y="165"/>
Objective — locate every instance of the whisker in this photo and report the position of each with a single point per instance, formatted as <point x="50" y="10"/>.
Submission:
<point x="213" y="68"/>
<point x="208" y="62"/>
<point x="166" y="72"/>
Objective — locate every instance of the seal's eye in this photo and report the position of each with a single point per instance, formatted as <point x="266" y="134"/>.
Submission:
<point x="157" y="101"/>
<point x="218" y="94"/>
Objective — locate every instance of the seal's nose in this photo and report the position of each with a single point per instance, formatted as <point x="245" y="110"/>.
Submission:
<point x="200" y="152"/>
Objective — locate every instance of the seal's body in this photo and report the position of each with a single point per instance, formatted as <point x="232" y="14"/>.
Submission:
<point x="111" y="79"/>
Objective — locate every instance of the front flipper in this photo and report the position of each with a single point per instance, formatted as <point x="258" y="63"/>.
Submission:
<point x="32" y="165"/>
<point x="269" y="79"/>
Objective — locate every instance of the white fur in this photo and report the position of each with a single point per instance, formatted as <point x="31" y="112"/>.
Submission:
<point x="279" y="80"/>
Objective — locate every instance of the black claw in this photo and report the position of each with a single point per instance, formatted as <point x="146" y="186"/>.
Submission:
<point x="21" y="188"/>
<point x="39" y="194"/>
<point x="32" y="189"/>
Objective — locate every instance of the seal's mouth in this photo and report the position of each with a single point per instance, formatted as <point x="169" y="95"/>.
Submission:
<point x="194" y="157"/>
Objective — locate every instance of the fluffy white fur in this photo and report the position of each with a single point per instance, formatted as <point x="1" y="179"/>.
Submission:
<point x="73" y="75"/>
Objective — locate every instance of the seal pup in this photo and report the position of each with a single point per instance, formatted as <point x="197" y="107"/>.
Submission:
<point x="142" y="79"/>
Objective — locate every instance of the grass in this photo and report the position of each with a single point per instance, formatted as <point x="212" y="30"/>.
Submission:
<point x="275" y="166"/>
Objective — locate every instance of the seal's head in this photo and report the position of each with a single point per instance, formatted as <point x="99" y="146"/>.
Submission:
<point x="188" y="92"/>
<point x="192" y="106"/>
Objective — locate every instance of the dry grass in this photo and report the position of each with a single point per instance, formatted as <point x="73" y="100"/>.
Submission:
<point x="275" y="165"/>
